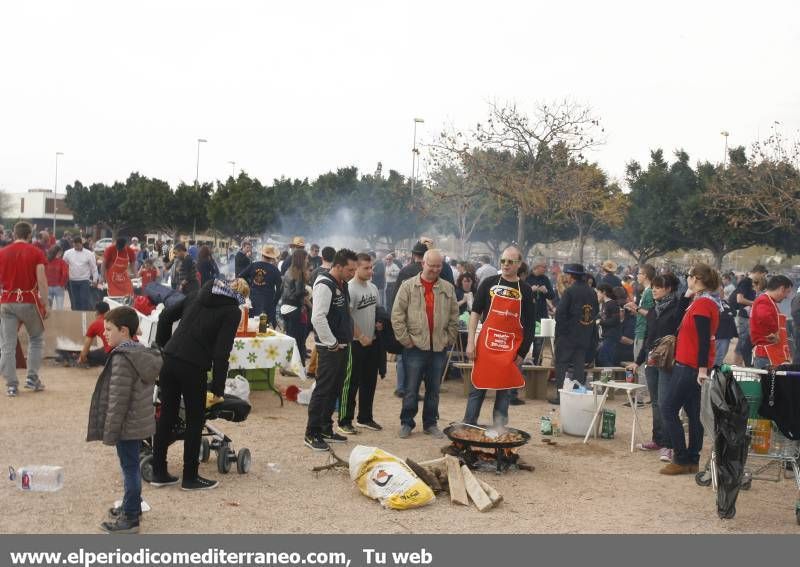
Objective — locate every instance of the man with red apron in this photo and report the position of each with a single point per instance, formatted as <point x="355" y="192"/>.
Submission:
<point x="768" y="330"/>
<point x="506" y="305"/>
<point x="118" y="262"/>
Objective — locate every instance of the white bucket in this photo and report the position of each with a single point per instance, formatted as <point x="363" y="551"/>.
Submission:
<point x="548" y="328"/>
<point x="577" y="411"/>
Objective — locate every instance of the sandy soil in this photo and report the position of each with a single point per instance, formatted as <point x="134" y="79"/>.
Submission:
<point x="576" y="488"/>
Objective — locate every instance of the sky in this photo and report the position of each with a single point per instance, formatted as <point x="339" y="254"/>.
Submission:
<point x="297" y="89"/>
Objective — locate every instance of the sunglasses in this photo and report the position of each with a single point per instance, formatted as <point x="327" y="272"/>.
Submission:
<point x="506" y="261"/>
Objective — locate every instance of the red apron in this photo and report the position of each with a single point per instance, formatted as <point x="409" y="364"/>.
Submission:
<point x="119" y="283"/>
<point x="498" y="342"/>
<point x="779" y="352"/>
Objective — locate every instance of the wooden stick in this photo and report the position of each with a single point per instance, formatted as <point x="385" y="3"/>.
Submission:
<point x="432" y="462"/>
<point x="491" y="492"/>
<point x="477" y="495"/>
<point x="334" y="462"/>
<point x="424" y="475"/>
<point x="455" y="481"/>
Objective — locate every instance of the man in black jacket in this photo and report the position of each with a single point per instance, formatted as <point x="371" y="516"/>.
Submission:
<point x="542" y="293"/>
<point x="242" y="258"/>
<point x="202" y="342"/>
<point x="575" y="325"/>
<point x="186" y="271"/>
<point x="333" y="333"/>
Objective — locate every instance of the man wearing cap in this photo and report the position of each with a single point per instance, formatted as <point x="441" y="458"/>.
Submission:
<point x="242" y="259"/>
<point x="415" y="267"/>
<point x="575" y="326"/>
<point x="608" y="274"/>
<point x="264" y="280"/>
<point x="298" y="243"/>
<point x="745" y="295"/>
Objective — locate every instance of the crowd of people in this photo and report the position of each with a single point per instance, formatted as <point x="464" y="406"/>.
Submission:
<point x="669" y="328"/>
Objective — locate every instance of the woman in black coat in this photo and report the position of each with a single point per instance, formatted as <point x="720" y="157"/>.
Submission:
<point x="202" y="342"/>
<point x="295" y="300"/>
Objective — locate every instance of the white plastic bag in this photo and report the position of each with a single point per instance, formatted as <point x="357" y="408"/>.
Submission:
<point x="238" y="386"/>
<point x="386" y="478"/>
<point x="304" y="396"/>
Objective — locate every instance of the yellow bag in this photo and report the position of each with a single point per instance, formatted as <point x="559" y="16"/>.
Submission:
<point x="386" y="478"/>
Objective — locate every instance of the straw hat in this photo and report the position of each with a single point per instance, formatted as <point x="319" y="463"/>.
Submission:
<point x="298" y="242"/>
<point x="269" y="251"/>
<point x="609" y="266"/>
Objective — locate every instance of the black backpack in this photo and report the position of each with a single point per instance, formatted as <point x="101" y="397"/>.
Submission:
<point x="732" y="301"/>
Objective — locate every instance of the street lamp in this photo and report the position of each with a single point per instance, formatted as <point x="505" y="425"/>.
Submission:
<point x="197" y="170"/>
<point x="414" y="155"/>
<point x="725" y="155"/>
<point x="233" y="168"/>
<point x="55" y="191"/>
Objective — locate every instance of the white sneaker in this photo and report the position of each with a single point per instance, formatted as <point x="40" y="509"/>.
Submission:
<point x="665" y="455"/>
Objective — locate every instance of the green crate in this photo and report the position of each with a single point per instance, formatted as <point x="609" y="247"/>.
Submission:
<point x="752" y="391"/>
<point x="259" y="378"/>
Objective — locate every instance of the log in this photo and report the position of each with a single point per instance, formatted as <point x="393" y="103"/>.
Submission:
<point x="424" y="475"/>
<point x="491" y="492"/>
<point x="477" y="495"/>
<point x="432" y="462"/>
<point x="455" y="482"/>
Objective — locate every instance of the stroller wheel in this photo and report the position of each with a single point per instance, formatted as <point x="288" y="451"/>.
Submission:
<point x="243" y="461"/>
<point x="224" y="457"/>
<point x="146" y="468"/>
<point x="746" y="485"/>
<point x="205" y="450"/>
<point x="703" y="478"/>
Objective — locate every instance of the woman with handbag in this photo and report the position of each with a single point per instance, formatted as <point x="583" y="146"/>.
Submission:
<point x="662" y="326"/>
<point x="694" y="355"/>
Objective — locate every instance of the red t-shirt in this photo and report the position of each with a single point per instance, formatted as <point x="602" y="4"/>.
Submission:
<point x="763" y="320"/>
<point x="428" y="286"/>
<point x="57" y="273"/>
<point x="98" y="329"/>
<point x="688" y="347"/>
<point x="18" y="263"/>
<point x="110" y="255"/>
<point x="148" y="276"/>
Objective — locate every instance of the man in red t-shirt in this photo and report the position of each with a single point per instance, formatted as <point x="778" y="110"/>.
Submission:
<point x="98" y="356"/>
<point x="765" y="319"/>
<point x="23" y="300"/>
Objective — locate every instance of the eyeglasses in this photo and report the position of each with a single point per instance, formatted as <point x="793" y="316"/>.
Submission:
<point x="506" y="261"/>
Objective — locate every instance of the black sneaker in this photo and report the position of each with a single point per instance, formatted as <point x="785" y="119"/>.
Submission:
<point x="374" y="426"/>
<point x="316" y="443"/>
<point x="115" y="512"/>
<point x="517" y="402"/>
<point x="333" y="437"/>
<point x="165" y="479"/>
<point x="199" y="483"/>
<point x="348" y="428"/>
<point x="122" y="524"/>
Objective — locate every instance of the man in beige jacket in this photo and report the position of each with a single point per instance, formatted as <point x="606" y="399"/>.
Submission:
<point x="425" y="322"/>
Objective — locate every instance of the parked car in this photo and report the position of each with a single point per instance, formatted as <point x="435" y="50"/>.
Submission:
<point x="101" y="245"/>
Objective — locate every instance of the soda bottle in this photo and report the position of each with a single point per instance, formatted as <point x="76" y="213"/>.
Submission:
<point x="38" y="478"/>
<point x="262" y="324"/>
<point x="546" y="426"/>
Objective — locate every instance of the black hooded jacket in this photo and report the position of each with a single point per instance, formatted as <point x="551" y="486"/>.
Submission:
<point x="205" y="334"/>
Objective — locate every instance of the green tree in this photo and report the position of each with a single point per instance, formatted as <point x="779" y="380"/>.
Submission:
<point x="241" y="207"/>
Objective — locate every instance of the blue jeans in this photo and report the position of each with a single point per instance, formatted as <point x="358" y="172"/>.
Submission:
<point x="428" y="366"/>
<point x="56" y="296"/>
<point x="79" y="295"/>
<point x="760" y="362"/>
<point x="664" y="383"/>
<point x="605" y="355"/>
<point x="722" y="350"/>
<point x="651" y="374"/>
<point x="401" y="375"/>
<point x="128" y="452"/>
<point x="684" y="392"/>
<point x="500" y="412"/>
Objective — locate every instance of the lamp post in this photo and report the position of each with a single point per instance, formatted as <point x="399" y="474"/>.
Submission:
<point x="197" y="170"/>
<point x="55" y="191"/>
<point x="414" y="155"/>
<point x="233" y="169"/>
<point x="725" y="133"/>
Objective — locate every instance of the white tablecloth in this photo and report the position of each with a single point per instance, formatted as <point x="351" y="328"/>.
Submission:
<point x="249" y="353"/>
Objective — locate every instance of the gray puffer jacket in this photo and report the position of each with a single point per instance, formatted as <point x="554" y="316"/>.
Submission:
<point x="122" y="403"/>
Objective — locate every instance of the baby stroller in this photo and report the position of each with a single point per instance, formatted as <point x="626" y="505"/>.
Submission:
<point x="232" y="409"/>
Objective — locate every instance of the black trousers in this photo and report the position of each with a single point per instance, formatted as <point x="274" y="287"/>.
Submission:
<point x="179" y="378"/>
<point x="568" y="355"/>
<point x="361" y="381"/>
<point x="297" y="330"/>
<point x="331" y="370"/>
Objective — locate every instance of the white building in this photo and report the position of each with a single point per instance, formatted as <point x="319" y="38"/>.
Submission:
<point x="36" y="206"/>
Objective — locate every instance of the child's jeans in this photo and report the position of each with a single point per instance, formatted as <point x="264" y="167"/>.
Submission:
<point x="128" y="452"/>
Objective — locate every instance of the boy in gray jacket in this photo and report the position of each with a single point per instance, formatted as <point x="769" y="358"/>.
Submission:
<point x="122" y="413"/>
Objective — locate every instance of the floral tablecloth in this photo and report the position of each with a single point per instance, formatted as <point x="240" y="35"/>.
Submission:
<point x="249" y="353"/>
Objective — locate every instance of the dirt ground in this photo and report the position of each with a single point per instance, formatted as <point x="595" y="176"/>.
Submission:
<point x="576" y="488"/>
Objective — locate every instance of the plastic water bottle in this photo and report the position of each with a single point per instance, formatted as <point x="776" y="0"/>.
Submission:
<point x="38" y="478"/>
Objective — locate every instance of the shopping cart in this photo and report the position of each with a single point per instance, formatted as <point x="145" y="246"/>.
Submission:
<point x="775" y="452"/>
